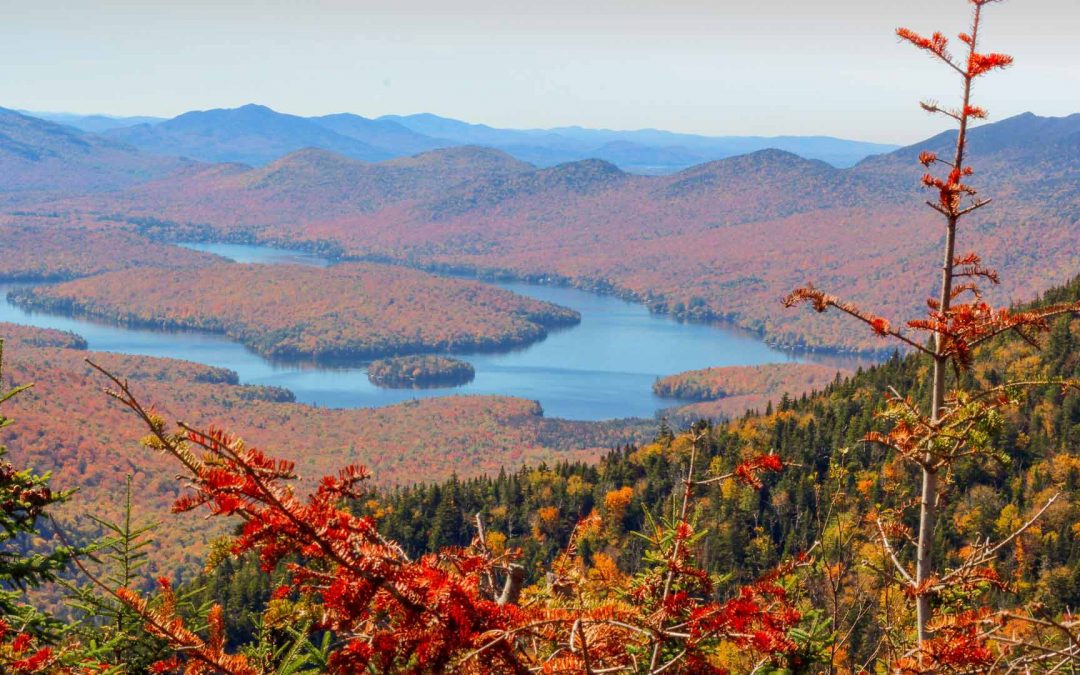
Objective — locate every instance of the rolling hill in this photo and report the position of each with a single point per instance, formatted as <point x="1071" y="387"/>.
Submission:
<point x="251" y="134"/>
<point x="719" y="241"/>
<point x="93" y="123"/>
<point x="256" y="135"/>
<point x="38" y="155"/>
<point x="647" y="151"/>
<point x="351" y="312"/>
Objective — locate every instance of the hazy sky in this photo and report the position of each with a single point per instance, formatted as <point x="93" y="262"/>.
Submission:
<point x="718" y="67"/>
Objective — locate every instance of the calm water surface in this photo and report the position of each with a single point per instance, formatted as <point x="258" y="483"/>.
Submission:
<point x="603" y="368"/>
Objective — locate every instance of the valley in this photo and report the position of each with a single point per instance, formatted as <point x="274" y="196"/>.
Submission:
<point x="717" y="241"/>
<point x="399" y="339"/>
<point x="602" y="368"/>
<point x="347" y="313"/>
<point x="70" y="427"/>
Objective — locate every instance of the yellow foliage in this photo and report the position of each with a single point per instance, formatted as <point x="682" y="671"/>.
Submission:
<point x="548" y="514"/>
<point x="1009" y="520"/>
<point x="577" y="486"/>
<point x="1045" y="411"/>
<point x="761" y="545"/>
<point x="728" y="489"/>
<point x="1025" y="368"/>
<point x="616" y="501"/>
<point x="495" y="542"/>
<point x="682" y="445"/>
<point x="1064" y="467"/>
<point x="605" y="570"/>
<point x="642" y="454"/>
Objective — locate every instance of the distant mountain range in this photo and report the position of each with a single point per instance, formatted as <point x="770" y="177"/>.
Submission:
<point x="719" y="240"/>
<point x="93" y="123"/>
<point x="256" y="135"/>
<point x="38" y="155"/>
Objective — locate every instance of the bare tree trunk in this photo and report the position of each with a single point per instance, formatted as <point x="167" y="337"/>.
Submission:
<point x="928" y="509"/>
<point x="515" y="579"/>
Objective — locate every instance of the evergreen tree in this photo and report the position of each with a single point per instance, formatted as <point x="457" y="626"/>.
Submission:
<point x="108" y="628"/>
<point x="25" y="498"/>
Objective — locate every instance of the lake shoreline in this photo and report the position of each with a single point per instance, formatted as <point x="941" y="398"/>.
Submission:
<point x="31" y="301"/>
<point x="496" y="275"/>
<point x="602" y="368"/>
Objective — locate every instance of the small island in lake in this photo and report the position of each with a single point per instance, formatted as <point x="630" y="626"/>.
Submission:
<point x="410" y="372"/>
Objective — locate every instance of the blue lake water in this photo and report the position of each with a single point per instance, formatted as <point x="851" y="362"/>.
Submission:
<point x="602" y="368"/>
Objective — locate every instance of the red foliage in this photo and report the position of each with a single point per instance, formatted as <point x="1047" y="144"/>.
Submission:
<point x="747" y="472"/>
<point x="959" y="645"/>
<point x="201" y="657"/>
<point x="355" y="311"/>
<point x="32" y="253"/>
<point x="19" y="656"/>
<point x="77" y="432"/>
<point x="440" y="611"/>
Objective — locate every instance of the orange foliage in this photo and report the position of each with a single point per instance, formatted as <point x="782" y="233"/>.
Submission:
<point x="348" y="311"/>
<point x="616" y="501"/>
<point x="33" y="253"/>
<point x="692" y="244"/>
<point x="67" y="427"/>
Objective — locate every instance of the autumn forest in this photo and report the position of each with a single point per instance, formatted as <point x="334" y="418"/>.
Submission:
<point x="322" y="393"/>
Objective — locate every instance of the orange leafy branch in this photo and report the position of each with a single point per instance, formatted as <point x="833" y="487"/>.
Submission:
<point x="440" y="612"/>
<point x="821" y="301"/>
<point x="201" y="657"/>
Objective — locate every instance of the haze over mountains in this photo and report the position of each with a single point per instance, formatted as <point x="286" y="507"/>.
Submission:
<point x="256" y="135"/>
<point x="37" y="155"/>
<point x="719" y="240"/>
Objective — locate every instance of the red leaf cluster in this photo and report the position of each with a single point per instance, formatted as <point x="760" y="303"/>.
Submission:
<point x="439" y="612"/>
<point x="958" y="645"/>
<point x="18" y="655"/>
<point x="748" y="472"/>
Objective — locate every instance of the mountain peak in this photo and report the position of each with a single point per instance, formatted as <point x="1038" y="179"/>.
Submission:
<point x="584" y="174"/>
<point x="1023" y="133"/>
<point x="470" y="156"/>
<point x="314" y="157"/>
<point x="253" y="134"/>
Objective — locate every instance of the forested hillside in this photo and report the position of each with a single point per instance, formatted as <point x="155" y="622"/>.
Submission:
<point x="835" y="481"/>
<point x="67" y="426"/>
<point x="348" y="312"/>
<point x="717" y="393"/>
<point x="693" y="244"/>
<point x="42" y="253"/>
<point x="917" y="517"/>
<point x="41" y="156"/>
<point x="839" y="480"/>
<point x="819" y="432"/>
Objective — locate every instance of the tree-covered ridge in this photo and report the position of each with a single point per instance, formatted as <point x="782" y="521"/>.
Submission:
<point x="43" y="157"/>
<point x="709" y="384"/>
<point x="17" y="336"/>
<point x="839" y="480"/>
<point x="419" y="371"/>
<point x="32" y="252"/>
<point x="730" y="391"/>
<point x="353" y="311"/>
<point x="831" y="481"/>
<point x="67" y="427"/>
<point x="690" y="244"/>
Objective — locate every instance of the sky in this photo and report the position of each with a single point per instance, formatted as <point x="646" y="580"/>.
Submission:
<point x="718" y="67"/>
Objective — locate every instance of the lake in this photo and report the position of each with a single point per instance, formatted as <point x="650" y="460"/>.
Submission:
<point x="601" y="369"/>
